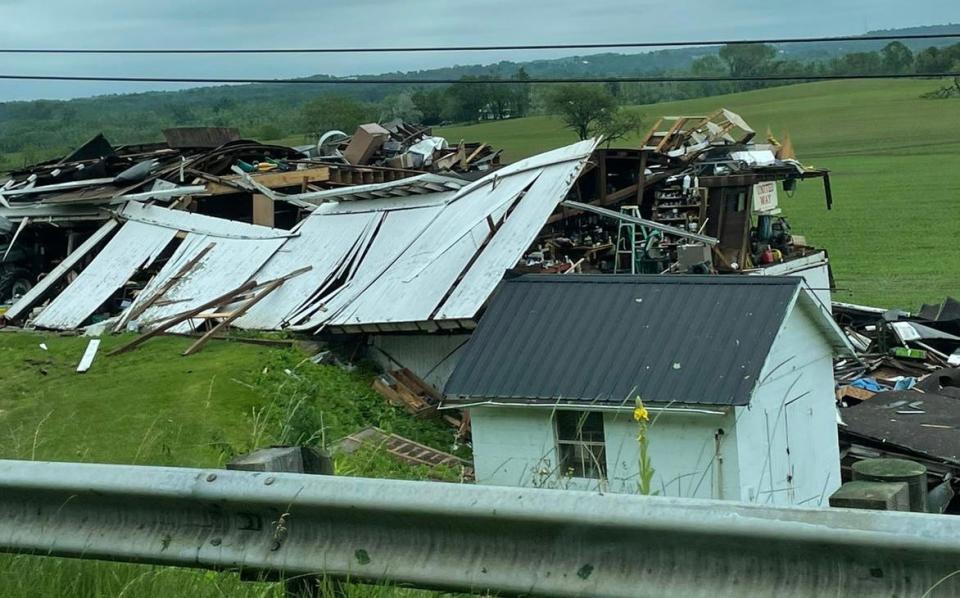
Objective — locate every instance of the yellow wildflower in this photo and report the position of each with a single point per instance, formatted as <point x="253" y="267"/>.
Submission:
<point x="640" y="414"/>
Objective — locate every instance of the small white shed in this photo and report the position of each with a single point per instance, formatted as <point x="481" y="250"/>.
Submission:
<point x="735" y="371"/>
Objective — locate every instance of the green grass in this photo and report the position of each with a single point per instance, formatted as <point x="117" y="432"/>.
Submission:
<point x="154" y="407"/>
<point x="894" y="232"/>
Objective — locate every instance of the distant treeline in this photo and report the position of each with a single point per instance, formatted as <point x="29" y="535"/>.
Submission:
<point x="37" y="130"/>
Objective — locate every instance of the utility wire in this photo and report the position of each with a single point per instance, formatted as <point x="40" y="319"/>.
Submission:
<point x="594" y="46"/>
<point x="388" y="81"/>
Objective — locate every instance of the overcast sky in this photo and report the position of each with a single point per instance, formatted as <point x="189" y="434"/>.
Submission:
<point x="255" y="23"/>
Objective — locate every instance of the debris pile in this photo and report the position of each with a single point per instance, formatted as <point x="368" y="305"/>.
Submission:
<point x="700" y="195"/>
<point x="397" y="144"/>
<point x="900" y="398"/>
<point x="48" y="209"/>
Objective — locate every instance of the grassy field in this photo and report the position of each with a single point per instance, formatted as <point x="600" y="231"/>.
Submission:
<point x="154" y="407"/>
<point x="894" y="232"/>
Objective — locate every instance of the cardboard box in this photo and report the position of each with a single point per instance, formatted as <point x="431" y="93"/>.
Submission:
<point x="365" y="142"/>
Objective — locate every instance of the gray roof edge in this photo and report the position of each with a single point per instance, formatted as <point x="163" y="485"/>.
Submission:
<point x="702" y="279"/>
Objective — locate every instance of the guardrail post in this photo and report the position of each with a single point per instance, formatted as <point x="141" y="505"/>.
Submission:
<point x="293" y="459"/>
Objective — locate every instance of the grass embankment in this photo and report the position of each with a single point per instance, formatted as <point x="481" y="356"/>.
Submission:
<point x="154" y="407"/>
<point x="894" y="231"/>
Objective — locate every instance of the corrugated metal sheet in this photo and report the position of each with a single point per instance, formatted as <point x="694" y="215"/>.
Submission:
<point x="53" y="277"/>
<point x="398" y="231"/>
<point x="135" y="246"/>
<point x="511" y="241"/>
<point x="324" y="243"/>
<point x="605" y="339"/>
<point x="229" y="264"/>
<point x="412" y="286"/>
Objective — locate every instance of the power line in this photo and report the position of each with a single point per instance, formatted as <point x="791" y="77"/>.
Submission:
<point x="387" y="81"/>
<point x="590" y="46"/>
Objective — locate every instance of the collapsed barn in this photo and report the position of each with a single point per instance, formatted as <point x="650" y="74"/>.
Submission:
<point x="698" y="197"/>
<point x="49" y="209"/>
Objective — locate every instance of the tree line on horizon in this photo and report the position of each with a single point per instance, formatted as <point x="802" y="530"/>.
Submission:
<point x="38" y="130"/>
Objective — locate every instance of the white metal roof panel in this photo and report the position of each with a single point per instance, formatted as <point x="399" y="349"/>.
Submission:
<point x="135" y="246"/>
<point x="324" y="244"/>
<point x="198" y="223"/>
<point x="229" y="264"/>
<point x="412" y="287"/>
<point x="398" y="231"/>
<point x="512" y="239"/>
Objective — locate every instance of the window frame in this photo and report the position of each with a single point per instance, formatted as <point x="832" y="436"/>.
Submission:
<point x="577" y="448"/>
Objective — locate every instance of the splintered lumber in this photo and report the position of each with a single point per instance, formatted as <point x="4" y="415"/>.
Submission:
<point x="133" y="314"/>
<point x="87" y="360"/>
<point x="404" y="389"/>
<point x="267" y="289"/>
<point x="183" y="317"/>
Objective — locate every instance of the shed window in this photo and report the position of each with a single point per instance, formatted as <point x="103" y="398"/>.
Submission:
<point x="580" y="444"/>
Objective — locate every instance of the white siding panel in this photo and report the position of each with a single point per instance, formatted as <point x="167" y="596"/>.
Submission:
<point x="324" y="243"/>
<point x="690" y="459"/>
<point x="788" y="435"/>
<point x="228" y="265"/>
<point x="135" y="246"/>
<point x="430" y="356"/>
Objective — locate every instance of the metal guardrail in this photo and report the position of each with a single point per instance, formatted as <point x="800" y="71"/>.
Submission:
<point x="470" y="538"/>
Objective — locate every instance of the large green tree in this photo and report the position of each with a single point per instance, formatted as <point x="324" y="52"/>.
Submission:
<point x="897" y="58"/>
<point x="583" y="108"/>
<point x="747" y="60"/>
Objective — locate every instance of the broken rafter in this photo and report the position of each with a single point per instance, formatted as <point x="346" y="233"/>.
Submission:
<point x="133" y="314"/>
<point x="183" y="317"/>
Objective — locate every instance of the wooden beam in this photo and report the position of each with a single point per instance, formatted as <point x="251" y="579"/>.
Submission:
<point x="171" y="282"/>
<point x="200" y="342"/>
<point x="263" y="210"/>
<point x="271" y="180"/>
<point x="183" y="317"/>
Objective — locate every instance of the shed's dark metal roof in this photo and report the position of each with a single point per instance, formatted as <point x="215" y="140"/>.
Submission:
<point x="605" y="339"/>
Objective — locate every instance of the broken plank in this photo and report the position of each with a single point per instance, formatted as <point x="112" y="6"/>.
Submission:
<point x="271" y="180"/>
<point x="200" y="342"/>
<point x="133" y="314"/>
<point x="184" y="316"/>
<point x="88" y="355"/>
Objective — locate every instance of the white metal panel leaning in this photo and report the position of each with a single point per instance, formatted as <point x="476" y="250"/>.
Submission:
<point x="134" y="247"/>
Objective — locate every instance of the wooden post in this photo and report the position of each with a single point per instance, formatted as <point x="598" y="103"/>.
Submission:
<point x="264" y="210"/>
<point x="292" y="459"/>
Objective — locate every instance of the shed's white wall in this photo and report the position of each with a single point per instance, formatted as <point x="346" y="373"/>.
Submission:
<point x="430" y="356"/>
<point x="689" y="457"/>
<point x="516" y="446"/>
<point x="787" y="436"/>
